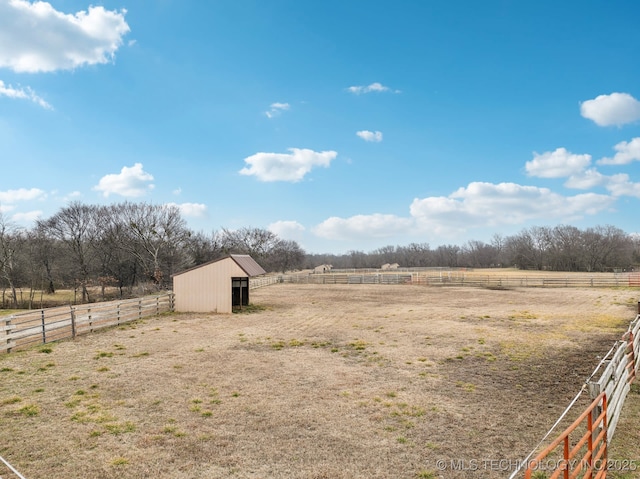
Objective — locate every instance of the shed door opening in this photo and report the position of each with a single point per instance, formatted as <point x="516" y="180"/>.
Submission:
<point x="239" y="292"/>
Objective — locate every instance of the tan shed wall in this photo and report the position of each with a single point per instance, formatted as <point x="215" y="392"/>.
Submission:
<point x="206" y="289"/>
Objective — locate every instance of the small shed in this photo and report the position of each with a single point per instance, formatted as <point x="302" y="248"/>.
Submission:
<point x="217" y="286"/>
<point x="323" y="268"/>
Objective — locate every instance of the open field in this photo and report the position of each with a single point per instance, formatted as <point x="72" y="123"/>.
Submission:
<point x="317" y="381"/>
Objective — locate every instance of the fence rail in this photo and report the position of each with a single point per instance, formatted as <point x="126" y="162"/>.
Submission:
<point x="43" y="326"/>
<point x="586" y="454"/>
<point x="261" y="281"/>
<point x="614" y="374"/>
<point x="462" y="278"/>
<point x="618" y="373"/>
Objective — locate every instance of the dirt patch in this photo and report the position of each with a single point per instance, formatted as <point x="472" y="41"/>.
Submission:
<point x="358" y="381"/>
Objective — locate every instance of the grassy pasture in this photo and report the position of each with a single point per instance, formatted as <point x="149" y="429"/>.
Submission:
<point x="62" y="297"/>
<point x="317" y="381"/>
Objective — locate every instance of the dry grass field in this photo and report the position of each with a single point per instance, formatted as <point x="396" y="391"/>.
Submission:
<point x="314" y="381"/>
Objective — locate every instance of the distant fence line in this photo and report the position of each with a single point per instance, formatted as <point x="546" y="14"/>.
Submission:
<point x="41" y="326"/>
<point x="458" y="278"/>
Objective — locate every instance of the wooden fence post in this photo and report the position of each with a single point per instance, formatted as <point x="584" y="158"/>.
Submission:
<point x="7" y="329"/>
<point x="44" y="332"/>
<point x="73" y="322"/>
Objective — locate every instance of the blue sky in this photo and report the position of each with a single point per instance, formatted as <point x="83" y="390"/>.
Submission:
<point x="343" y="125"/>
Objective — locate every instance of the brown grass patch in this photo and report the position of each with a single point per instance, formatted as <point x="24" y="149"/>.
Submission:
<point x="353" y="381"/>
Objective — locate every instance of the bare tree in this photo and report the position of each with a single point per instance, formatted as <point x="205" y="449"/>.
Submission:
<point x="447" y="255"/>
<point x="607" y="247"/>
<point x="478" y="254"/>
<point x="257" y="242"/>
<point x="44" y="251"/>
<point x="75" y="226"/>
<point x="415" y="255"/>
<point x="285" y="256"/>
<point x="566" y="249"/>
<point x="10" y="240"/>
<point x="154" y="234"/>
<point x="202" y="248"/>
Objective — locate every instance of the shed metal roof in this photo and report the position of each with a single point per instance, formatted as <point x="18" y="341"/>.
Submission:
<point x="246" y="263"/>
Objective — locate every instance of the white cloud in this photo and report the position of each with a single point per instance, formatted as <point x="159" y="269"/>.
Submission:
<point x="23" y="94"/>
<point x="366" y="135"/>
<point x="277" y="108"/>
<point x="487" y="204"/>
<point x="626" y="152"/>
<point x="27" y="218"/>
<point x="131" y="182"/>
<point x="363" y="227"/>
<point x="196" y="210"/>
<point x="9" y="198"/>
<point x="556" y="164"/>
<point x="587" y="179"/>
<point x="21" y="194"/>
<point x="374" y="87"/>
<point x="615" y="109"/>
<point x="290" y="230"/>
<point x="620" y="185"/>
<point x="291" y="166"/>
<point x="35" y="37"/>
<point x="478" y="205"/>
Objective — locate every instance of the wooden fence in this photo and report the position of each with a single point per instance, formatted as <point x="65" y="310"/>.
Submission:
<point x="617" y="373"/>
<point x="595" y="426"/>
<point x="40" y="326"/>
<point x="464" y="278"/>
<point x="346" y="278"/>
<point x="261" y="281"/>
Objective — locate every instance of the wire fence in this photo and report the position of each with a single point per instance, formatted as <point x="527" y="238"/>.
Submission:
<point x="608" y="387"/>
<point x="9" y="467"/>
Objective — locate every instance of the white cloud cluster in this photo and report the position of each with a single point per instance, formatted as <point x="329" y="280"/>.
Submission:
<point x="275" y="109"/>
<point x="22" y="94"/>
<point x="35" y="37"/>
<point x="363" y="227"/>
<point x="477" y="205"/>
<point x="576" y="168"/>
<point x="291" y="230"/>
<point x="488" y="204"/>
<point x="482" y="204"/>
<point x="21" y="194"/>
<point x="130" y="182"/>
<point x="194" y="210"/>
<point x="614" y="109"/>
<point x="373" y="87"/>
<point x="626" y="152"/>
<point x="556" y="164"/>
<point x="366" y="135"/>
<point x="9" y="199"/>
<point x="292" y="166"/>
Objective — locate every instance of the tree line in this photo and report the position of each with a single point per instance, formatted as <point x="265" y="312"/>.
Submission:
<point x="559" y="248"/>
<point x="128" y="244"/>
<point x="121" y="245"/>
